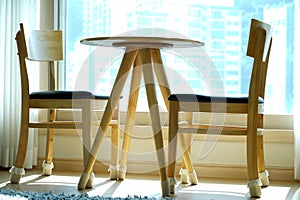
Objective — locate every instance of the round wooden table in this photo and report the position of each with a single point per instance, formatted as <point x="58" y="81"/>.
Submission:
<point x="145" y="52"/>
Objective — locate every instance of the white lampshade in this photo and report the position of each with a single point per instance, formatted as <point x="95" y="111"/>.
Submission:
<point x="45" y="45"/>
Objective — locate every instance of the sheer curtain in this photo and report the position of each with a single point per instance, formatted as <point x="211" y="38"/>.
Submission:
<point x="13" y="13"/>
<point x="297" y="92"/>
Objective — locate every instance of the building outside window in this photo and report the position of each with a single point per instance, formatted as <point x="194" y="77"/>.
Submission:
<point x="222" y="25"/>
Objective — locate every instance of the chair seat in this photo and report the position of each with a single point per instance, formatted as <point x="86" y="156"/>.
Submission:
<point x="58" y="94"/>
<point x="209" y="99"/>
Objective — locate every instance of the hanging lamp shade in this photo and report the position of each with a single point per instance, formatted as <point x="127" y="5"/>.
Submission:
<point x="45" y="45"/>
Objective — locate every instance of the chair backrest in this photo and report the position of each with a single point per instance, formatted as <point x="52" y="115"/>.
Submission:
<point x="23" y="54"/>
<point x="43" y="46"/>
<point x="46" y="45"/>
<point x="259" y="47"/>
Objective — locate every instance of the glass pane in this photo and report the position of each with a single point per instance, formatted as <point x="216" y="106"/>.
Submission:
<point x="222" y="25"/>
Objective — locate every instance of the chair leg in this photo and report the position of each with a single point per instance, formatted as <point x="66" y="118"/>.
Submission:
<point x="184" y="177"/>
<point x="16" y="174"/>
<point x="172" y="144"/>
<point x="263" y="173"/>
<point x="190" y="172"/>
<point x="47" y="167"/>
<point x="254" y="183"/>
<point x="17" y="171"/>
<point x="114" y="166"/>
<point x="47" y="163"/>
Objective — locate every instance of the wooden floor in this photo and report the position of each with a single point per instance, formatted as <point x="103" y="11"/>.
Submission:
<point x="149" y="185"/>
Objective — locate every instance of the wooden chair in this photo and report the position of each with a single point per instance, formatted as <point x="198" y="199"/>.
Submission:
<point x="47" y="46"/>
<point x="259" y="46"/>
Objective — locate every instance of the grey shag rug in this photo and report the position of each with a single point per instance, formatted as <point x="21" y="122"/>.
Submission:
<point x="10" y="194"/>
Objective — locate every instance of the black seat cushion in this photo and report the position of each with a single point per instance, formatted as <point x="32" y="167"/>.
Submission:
<point x="209" y="99"/>
<point x="65" y="95"/>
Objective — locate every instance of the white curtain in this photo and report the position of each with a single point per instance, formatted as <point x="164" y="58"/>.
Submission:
<point x="297" y="91"/>
<point x="13" y="13"/>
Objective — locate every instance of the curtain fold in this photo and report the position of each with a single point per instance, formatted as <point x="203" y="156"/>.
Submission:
<point x="297" y="92"/>
<point x="13" y="13"/>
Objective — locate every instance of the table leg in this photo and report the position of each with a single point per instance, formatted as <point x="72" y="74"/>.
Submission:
<point x="87" y="106"/>
<point x="161" y="75"/>
<point x="145" y="57"/>
<point x="118" y="86"/>
<point x="130" y="117"/>
<point x="165" y="90"/>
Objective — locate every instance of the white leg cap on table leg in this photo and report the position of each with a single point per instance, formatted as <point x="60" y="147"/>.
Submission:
<point x="264" y="177"/>
<point x="47" y="168"/>
<point x="165" y="188"/>
<point x="90" y="182"/>
<point x="16" y="174"/>
<point x="193" y="177"/>
<point x="83" y="181"/>
<point x="184" y="177"/>
<point x="114" y="172"/>
<point x="172" y="183"/>
<point x="255" y="187"/>
<point x="122" y="172"/>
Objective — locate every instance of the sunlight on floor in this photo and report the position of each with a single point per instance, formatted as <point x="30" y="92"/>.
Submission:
<point x="297" y="195"/>
<point x="275" y="192"/>
<point x="30" y="178"/>
<point x="235" y="191"/>
<point x="55" y="181"/>
<point x="217" y="189"/>
<point x="150" y="186"/>
<point x="130" y="186"/>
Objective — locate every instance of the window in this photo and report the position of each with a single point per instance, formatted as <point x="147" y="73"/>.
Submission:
<point x="218" y="35"/>
<point x="233" y="13"/>
<point x="224" y="28"/>
<point x="231" y="73"/>
<point x="217" y="14"/>
<point x="217" y="44"/>
<point x="232" y="33"/>
<point x="194" y="24"/>
<point x="218" y="25"/>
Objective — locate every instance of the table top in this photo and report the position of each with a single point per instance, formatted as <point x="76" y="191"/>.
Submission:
<point x="141" y="42"/>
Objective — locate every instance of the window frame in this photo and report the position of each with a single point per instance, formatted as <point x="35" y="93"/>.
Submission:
<point x="276" y="122"/>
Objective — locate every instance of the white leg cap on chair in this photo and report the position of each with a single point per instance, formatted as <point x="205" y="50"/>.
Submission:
<point x="165" y="188"/>
<point x="16" y="174"/>
<point x="255" y="187"/>
<point x="172" y="183"/>
<point x="122" y="172"/>
<point x="193" y="177"/>
<point x="83" y="181"/>
<point x="264" y="177"/>
<point x="90" y="182"/>
<point x="47" y="168"/>
<point x="184" y="176"/>
<point x="114" y="172"/>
